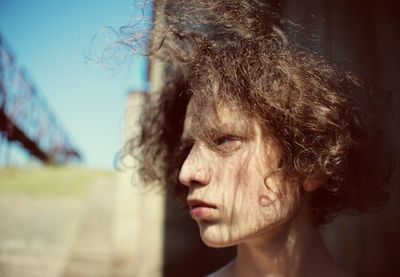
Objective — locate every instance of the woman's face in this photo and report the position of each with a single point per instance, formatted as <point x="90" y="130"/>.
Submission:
<point x="231" y="196"/>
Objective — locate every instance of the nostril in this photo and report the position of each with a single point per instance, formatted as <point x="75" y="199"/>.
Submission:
<point x="195" y="183"/>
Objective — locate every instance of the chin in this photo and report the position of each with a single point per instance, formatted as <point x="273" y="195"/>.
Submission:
<point x="215" y="239"/>
<point x="217" y="243"/>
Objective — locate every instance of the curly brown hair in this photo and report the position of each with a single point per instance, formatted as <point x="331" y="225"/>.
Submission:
<point x="327" y="121"/>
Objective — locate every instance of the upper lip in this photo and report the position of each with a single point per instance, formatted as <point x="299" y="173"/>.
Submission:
<point x="193" y="203"/>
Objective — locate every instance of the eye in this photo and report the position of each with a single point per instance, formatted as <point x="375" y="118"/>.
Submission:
<point x="228" y="143"/>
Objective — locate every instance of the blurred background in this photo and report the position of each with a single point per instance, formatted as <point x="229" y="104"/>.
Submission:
<point x="70" y="96"/>
<point x="64" y="86"/>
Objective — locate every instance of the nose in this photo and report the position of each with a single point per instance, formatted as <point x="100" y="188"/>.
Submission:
<point x="196" y="168"/>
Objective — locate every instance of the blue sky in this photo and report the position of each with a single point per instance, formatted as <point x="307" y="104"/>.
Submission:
<point x="54" y="41"/>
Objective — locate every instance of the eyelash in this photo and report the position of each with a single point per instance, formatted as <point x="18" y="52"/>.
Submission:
<point x="221" y="140"/>
<point x="225" y="143"/>
<point x="228" y="143"/>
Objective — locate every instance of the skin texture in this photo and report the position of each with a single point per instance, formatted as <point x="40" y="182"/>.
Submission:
<point x="234" y="180"/>
<point x="246" y="202"/>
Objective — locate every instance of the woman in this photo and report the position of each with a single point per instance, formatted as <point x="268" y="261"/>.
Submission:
<point x="263" y="140"/>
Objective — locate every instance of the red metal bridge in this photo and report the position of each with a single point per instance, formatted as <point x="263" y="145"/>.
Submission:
<point x="26" y="118"/>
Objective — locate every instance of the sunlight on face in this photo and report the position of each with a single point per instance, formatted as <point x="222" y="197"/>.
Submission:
<point x="233" y="194"/>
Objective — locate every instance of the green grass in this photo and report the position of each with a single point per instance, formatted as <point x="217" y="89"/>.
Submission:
<point x="50" y="180"/>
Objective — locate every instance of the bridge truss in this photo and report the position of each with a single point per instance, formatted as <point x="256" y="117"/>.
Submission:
<point x="26" y="118"/>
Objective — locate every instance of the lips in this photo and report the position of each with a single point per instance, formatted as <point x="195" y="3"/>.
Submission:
<point x="200" y="209"/>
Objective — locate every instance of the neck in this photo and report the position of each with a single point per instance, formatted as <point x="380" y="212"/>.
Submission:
<point x="295" y="250"/>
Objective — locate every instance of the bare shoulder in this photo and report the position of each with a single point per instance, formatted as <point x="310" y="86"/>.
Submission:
<point x="226" y="270"/>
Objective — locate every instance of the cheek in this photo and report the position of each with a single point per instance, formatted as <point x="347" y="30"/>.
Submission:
<point x="247" y="183"/>
<point x="280" y="201"/>
<point x="268" y="195"/>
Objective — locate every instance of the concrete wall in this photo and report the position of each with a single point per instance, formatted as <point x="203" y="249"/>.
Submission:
<point x="139" y="239"/>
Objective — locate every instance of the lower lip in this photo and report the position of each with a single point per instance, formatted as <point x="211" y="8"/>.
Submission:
<point x="201" y="211"/>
